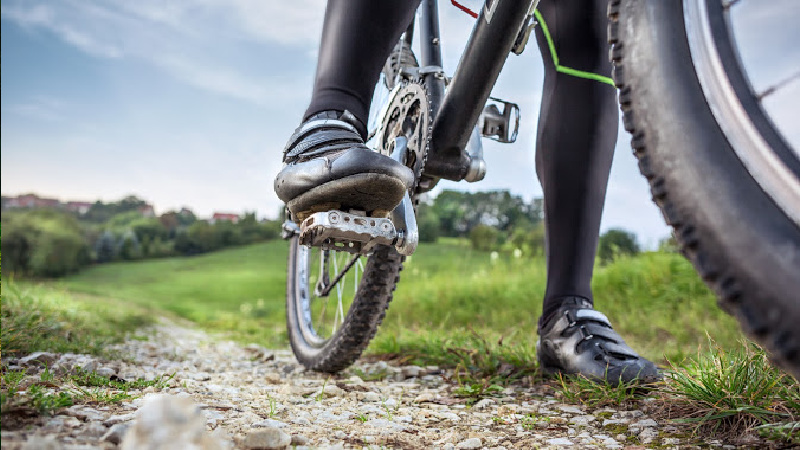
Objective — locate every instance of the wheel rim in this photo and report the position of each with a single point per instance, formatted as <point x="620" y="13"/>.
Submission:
<point x="768" y="169"/>
<point x="319" y="317"/>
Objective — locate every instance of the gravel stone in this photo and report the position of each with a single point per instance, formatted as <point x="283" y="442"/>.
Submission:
<point x="266" y="439"/>
<point x="228" y="396"/>
<point x="471" y="443"/>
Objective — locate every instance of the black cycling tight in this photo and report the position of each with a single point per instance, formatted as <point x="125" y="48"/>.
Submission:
<point x="577" y="124"/>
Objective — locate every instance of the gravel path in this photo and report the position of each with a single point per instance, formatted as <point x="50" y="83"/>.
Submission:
<point x="227" y="396"/>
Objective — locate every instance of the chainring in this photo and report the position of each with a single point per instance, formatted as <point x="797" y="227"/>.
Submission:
<point x="407" y="114"/>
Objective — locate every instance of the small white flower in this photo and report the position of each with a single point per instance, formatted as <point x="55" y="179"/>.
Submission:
<point x="517" y="253"/>
<point x="494" y="257"/>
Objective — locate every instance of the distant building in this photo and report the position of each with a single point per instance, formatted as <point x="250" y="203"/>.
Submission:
<point x="79" y="207"/>
<point x="31" y="201"/>
<point x="147" y="211"/>
<point x="224" y="217"/>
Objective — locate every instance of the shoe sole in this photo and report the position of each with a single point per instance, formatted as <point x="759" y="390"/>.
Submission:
<point x="374" y="193"/>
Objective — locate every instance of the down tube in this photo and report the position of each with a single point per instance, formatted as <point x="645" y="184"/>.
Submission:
<point x="490" y="43"/>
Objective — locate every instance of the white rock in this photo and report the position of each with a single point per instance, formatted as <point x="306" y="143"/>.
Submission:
<point x="267" y="438"/>
<point x="425" y="397"/>
<point x="271" y="423"/>
<point x="471" y="443"/>
<point x="372" y="397"/>
<point x="608" y="422"/>
<point x="116" y="433"/>
<point x="570" y="409"/>
<point x="119" y="418"/>
<point x="560" y="442"/>
<point x="411" y="371"/>
<point x="484" y="403"/>
<point x="647" y="423"/>
<point x="581" y="421"/>
<point x="166" y="422"/>
<point x="39" y="359"/>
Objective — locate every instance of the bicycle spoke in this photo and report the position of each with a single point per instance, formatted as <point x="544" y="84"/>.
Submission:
<point x="779" y="85"/>
<point x="729" y="4"/>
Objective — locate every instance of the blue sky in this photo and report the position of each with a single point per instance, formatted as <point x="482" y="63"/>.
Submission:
<point x="190" y="103"/>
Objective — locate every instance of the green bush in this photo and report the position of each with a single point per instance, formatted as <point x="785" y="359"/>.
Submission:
<point x="43" y="243"/>
<point x="483" y="238"/>
<point x="529" y="239"/>
<point x="616" y="242"/>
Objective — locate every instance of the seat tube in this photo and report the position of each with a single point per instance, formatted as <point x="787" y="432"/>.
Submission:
<point x="431" y="51"/>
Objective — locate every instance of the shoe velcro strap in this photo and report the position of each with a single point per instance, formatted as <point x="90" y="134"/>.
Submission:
<point x="328" y="148"/>
<point x="616" y="348"/>
<point x="312" y="125"/>
<point x="319" y="124"/>
<point x="582" y="315"/>
<point x="601" y="331"/>
<point x="323" y="139"/>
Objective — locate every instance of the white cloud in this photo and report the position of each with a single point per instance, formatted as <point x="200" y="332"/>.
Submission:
<point x="192" y="42"/>
<point x="45" y="17"/>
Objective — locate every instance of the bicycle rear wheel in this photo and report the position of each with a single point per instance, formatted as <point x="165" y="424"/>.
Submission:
<point x="335" y="301"/>
<point x="723" y="176"/>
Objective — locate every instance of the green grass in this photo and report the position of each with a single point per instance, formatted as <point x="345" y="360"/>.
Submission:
<point x="43" y="318"/>
<point x="51" y="392"/>
<point x="236" y="292"/>
<point x="734" y="391"/>
<point x="455" y="307"/>
<point x="447" y="291"/>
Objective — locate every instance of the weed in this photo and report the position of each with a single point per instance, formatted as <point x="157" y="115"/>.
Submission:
<point x="46" y="402"/>
<point x="53" y="391"/>
<point x="788" y="432"/>
<point x="273" y="406"/>
<point x="104" y="396"/>
<point x="389" y="414"/>
<point x="476" y="391"/>
<point x="728" y="393"/>
<point x="46" y="375"/>
<point x="83" y="377"/>
<point x="321" y="394"/>
<point x="579" y="389"/>
<point x="530" y="421"/>
<point x="362" y="418"/>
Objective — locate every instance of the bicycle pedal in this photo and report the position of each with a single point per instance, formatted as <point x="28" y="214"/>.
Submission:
<point x="342" y="231"/>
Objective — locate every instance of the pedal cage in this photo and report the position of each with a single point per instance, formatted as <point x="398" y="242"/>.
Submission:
<point x="500" y="125"/>
<point x="349" y="232"/>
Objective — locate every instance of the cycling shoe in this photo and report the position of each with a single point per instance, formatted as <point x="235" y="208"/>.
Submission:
<point x="329" y="167"/>
<point x="580" y="340"/>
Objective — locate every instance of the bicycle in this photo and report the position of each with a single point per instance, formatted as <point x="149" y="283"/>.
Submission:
<point x="710" y="153"/>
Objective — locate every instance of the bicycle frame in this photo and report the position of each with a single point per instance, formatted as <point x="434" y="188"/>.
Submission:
<point x="457" y="110"/>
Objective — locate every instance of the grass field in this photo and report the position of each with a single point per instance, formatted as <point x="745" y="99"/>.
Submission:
<point x="454" y="307"/>
<point x="446" y="292"/>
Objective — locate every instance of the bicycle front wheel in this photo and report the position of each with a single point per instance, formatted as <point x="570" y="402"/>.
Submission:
<point x="335" y="302"/>
<point x="722" y="174"/>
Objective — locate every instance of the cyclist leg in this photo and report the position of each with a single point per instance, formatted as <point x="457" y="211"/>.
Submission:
<point x="327" y="164"/>
<point x="577" y="133"/>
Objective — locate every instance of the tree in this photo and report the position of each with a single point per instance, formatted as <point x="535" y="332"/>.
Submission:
<point x="427" y="223"/>
<point x="615" y="242"/>
<point x="483" y="238"/>
<point x="529" y="238"/>
<point x="459" y="212"/>
<point x="43" y="243"/>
